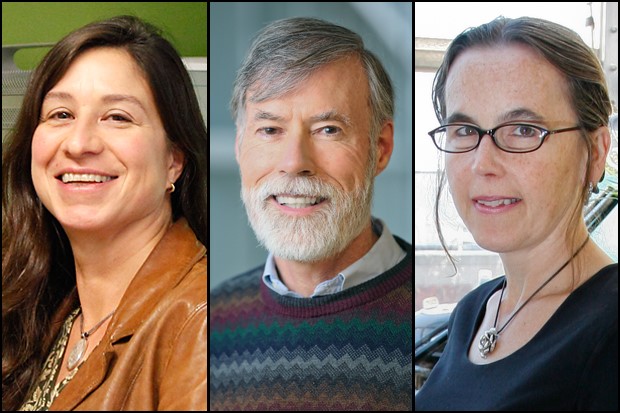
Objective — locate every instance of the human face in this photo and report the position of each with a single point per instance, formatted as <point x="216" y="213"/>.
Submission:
<point x="100" y="160"/>
<point x="536" y="191"/>
<point x="306" y="164"/>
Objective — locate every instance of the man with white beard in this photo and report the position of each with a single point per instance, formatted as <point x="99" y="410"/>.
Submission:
<point x="326" y="322"/>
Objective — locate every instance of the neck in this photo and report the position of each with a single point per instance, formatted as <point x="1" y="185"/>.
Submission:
<point x="527" y="269"/>
<point x="303" y="278"/>
<point x="106" y="263"/>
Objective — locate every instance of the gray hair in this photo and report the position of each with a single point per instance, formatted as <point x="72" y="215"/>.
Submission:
<point x="288" y="51"/>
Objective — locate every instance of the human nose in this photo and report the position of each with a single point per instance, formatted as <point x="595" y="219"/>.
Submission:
<point x="296" y="157"/>
<point x="82" y="138"/>
<point x="486" y="156"/>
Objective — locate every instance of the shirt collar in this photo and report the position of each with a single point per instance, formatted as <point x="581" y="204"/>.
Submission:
<point x="383" y="255"/>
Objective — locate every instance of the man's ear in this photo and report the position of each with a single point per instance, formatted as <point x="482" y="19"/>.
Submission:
<point x="385" y="146"/>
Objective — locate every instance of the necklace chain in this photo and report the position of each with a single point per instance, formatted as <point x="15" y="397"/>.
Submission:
<point x="489" y="338"/>
<point x="88" y="333"/>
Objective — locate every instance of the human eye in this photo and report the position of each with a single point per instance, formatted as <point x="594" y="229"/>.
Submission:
<point x="524" y="131"/>
<point x="268" y="131"/>
<point x="331" y="131"/>
<point x="59" y="115"/>
<point x="118" y="117"/>
<point x="461" y="131"/>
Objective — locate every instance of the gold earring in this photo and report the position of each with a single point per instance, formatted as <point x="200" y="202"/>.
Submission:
<point x="172" y="188"/>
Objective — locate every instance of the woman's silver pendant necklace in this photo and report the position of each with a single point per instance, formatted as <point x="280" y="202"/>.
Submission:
<point x="77" y="353"/>
<point x="489" y="338"/>
<point x="79" y="350"/>
<point x="487" y="342"/>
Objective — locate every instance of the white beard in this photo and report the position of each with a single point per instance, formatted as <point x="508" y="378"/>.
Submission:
<point x="314" y="237"/>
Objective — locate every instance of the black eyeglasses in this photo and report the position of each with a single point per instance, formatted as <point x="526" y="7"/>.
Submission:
<point x="510" y="137"/>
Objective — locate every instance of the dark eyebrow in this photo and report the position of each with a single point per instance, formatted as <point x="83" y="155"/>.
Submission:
<point x="520" y="114"/>
<point x="512" y="115"/>
<point x="106" y="99"/>
<point x="459" y="117"/>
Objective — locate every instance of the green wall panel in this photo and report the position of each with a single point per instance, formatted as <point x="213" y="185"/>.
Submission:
<point x="183" y="23"/>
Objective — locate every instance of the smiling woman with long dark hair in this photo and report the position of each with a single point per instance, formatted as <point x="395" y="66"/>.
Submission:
<point x="104" y="229"/>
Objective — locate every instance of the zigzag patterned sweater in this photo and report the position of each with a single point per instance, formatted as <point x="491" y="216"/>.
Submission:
<point x="346" y="351"/>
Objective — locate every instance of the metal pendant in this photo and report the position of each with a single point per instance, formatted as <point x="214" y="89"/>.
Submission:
<point x="487" y="342"/>
<point x="77" y="353"/>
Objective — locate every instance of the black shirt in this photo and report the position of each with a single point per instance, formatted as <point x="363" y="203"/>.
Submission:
<point x="570" y="364"/>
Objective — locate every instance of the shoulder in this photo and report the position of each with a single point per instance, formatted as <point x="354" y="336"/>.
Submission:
<point x="249" y="280"/>
<point x="595" y="304"/>
<point x="404" y="244"/>
<point x="238" y="295"/>
<point x="180" y="270"/>
<point x="482" y="292"/>
<point x="171" y="287"/>
<point x="171" y="316"/>
<point x="596" y="300"/>
<point x="173" y="279"/>
<point x="602" y="287"/>
<point x="607" y="275"/>
<point x="184" y="304"/>
<point x="194" y="285"/>
<point x="473" y="302"/>
<point x="405" y="265"/>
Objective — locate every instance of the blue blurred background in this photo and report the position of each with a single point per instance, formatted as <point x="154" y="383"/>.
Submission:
<point x="387" y="30"/>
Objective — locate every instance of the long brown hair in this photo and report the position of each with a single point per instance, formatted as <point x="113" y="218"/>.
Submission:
<point x="566" y="51"/>
<point x="38" y="274"/>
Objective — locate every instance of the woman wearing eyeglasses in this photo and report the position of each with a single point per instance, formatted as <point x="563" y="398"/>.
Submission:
<point x="523" y="105"/>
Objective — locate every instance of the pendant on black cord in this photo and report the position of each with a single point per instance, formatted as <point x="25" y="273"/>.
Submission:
<point x="487" y="342"/>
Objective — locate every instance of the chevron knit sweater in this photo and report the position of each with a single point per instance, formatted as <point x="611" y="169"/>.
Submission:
<point x="346" y="351"/>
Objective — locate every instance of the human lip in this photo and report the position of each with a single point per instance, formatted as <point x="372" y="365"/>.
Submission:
<point x="495" y="203"/>
<point x="298" y="201"/>
<point x="84" y="176"/>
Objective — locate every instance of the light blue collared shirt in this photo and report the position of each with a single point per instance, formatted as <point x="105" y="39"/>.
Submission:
<point x="385" y="254"/>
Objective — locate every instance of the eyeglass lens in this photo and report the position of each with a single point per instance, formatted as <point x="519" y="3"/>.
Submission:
<point x="461" y="138"/>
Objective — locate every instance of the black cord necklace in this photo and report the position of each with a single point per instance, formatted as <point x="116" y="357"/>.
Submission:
<point x="489" y="338"/>
<point x="79" y="350"/>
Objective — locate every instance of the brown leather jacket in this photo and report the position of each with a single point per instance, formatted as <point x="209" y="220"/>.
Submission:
<point x="154" y="353"/>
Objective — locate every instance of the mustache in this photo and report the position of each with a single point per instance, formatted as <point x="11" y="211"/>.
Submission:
<point x="300" y="186"/>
